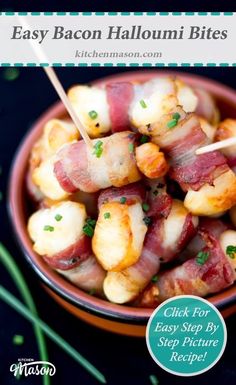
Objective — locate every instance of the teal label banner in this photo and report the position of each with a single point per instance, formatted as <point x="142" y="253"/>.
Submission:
<point x="186" y="335"/>
<point x="133" y="39"/>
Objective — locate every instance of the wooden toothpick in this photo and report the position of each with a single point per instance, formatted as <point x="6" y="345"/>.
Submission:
<point x="216" y="146"/>
<point x="57" y="86"/>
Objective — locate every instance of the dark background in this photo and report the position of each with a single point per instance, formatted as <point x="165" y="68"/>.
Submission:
<point x="123" y="360"/>
<point x="118" y="5"/>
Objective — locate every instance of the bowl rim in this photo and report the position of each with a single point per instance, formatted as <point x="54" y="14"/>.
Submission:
<point x="53" y="280"/>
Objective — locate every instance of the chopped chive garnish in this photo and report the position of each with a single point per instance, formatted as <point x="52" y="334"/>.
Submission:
<point x="92" y="291"/>
<point x="10" y="74"/>
<point x="153" y="379"/>
<point x="88" y="228"/>
<point x="176" y="116"/>
<point x="154" y="279"/>
<point x="107" y="215"/>
<point x="91" y="222"/>
<point x="172" y="123"/>
<point x="131" y="147"/>
<point x="144" y="139"/>
<point x="123" y="200"/>
<point x="58" y="217"/>
<point x="142" y="103"/>
<point x="18" y="339"/>
<point x="93" y="114"/>
<point x="147" y="221"/>
<point x="145" y="207"/>
<point x="231" y="251"/>
<point x="202" y="257"/>
<point x="98" y="148"/>
<point x="48" y="228"/>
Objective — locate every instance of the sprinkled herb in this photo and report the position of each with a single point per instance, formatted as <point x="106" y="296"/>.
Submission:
<point x="123" y="200"/>
<point x="107" y="215"/>
<point x="145" y="207"/>
<point x="231" y="251"/>
<point x="131" y="147"/>
<point x="147" y="221"/>
<point x="176" y="116"/>
<point x="144" y="139"/>
<point x="91" y="222"/>
<point x="92" y="291"/>
<point x="93" y="114"/>
<point x="18" y="339"/>
<point x="154" y="279"/>
<point x="153" y="379"/>
<point x="88" y="228"/>
<point x="10" y="74"/>
<point x="202" y="257"/>
<point x="142" y="103"/>
<point x="48" y="228"/>
<point x="172" y="123"/>
<point x="58" y="217"/>
<point x="175" y="119"/>
<point x="98" y="149"/>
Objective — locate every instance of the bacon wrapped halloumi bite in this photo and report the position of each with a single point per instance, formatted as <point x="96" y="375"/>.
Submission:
<point x="57" y="234"/>
<point x="118" y="105"/>
<point x="210" y="271"/>
<point x="120" y="229"/>
<point x="60" y="235"/>
<point x="207" y="178"/>
<point x="56" y="132"/>
<point x="111" y="162"/>
<point x="88" y="275"/>
<point x="164" y="240"/>
<point x="44" y="178"/>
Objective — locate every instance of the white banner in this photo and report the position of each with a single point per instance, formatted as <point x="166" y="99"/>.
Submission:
<point x="118" y="40"/>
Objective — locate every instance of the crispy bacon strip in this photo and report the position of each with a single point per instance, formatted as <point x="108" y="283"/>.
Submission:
<point x="78" y="168"/>
<point x="134" y="192"/>
<point x="193" y="276"/>
<point x="72" y="256"/>
<point x="158" y="199"/>
<point x="191" y="171"/>
<point x="119" y="97"/>
<point x="88" y="275"/>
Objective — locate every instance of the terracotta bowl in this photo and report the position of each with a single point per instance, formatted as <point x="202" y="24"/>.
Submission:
<point x="120" y="319"/>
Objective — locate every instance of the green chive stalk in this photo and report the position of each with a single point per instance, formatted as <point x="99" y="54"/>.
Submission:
<point x="17" y="277"/>
<point x="12" y="301"/>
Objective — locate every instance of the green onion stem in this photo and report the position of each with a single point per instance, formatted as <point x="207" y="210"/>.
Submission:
<point x="17" y="277"/>
<point x="12" y="301"/>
